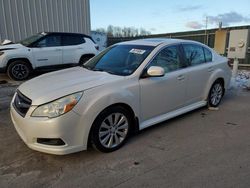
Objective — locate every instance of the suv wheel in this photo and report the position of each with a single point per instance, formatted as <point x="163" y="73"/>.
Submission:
<point x="111" y="129"/>
<point x="215" y="94"/>
<point x="18" y="70"/>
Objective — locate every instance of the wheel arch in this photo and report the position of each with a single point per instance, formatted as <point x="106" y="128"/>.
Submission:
<point x="90" y="55"/>
<point x="127" y="107"/>
<point x="26" y="60"/>
<point x="216" y="76"/>
<point x="219" y="79"/>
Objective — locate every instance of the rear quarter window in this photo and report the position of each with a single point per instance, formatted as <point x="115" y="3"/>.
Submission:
<point x="69" y="40"/>
<point x="208" y="55"/>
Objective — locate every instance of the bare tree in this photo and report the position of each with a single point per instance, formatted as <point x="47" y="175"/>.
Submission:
<point x="116" y="31"/>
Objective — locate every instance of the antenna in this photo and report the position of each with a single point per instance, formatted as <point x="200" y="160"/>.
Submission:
<point x="220" y="25"/>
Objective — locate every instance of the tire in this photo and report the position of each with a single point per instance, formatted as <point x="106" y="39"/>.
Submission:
<point x="111" y="129"/>
<point x="84" y="59"/>
<point x="215" y="94"/>
<point x="18" y="70"/>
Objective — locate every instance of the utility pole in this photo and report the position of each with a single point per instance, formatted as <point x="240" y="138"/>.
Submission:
<point x="206" y="33"/>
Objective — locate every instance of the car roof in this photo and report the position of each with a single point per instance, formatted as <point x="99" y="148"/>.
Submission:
<point x="68" y="33"/>
<point x="157" y="41"/>
<point x="65" y="33"/>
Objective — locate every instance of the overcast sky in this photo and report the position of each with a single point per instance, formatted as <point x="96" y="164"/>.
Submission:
<point x="164" y="16"/>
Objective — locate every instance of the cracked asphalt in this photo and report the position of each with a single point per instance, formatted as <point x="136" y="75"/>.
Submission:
<point x="204" y="148"/>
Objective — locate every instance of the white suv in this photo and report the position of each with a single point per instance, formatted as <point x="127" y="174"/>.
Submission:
<point x="45" y="51"/>
<point x="128" y="86"/>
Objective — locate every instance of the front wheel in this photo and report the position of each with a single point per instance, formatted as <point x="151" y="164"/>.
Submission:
<point x="215" y="94"/>
<point x="18" y="70"/>
<point x="111" y="129"/>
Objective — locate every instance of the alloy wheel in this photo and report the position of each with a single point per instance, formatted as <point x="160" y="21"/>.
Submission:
<point x="113" y="130"/>
<point x="216" y="94"/>
<point x="20" y="71"/>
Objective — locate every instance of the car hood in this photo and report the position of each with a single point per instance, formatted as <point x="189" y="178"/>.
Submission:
<point x="51" y="86"/>
<point x="10" y="46"/>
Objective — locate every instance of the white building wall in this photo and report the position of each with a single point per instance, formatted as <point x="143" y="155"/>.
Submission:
<point x="22" y="18"/>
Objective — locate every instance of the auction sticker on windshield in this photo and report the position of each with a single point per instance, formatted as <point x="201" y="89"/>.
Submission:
<point x="137" y="51"/>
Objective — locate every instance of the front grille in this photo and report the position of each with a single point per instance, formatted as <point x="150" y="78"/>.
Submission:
<point x="21" y="103"/>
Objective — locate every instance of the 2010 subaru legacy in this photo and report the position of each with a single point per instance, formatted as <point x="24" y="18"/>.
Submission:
<point x="129" y="86"/>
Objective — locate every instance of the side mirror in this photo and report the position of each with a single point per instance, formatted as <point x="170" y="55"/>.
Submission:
<point x="155" y="71"/>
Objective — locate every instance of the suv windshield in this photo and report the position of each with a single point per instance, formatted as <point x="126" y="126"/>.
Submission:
<point x="28" y="41"/>
<point x="120" y="60"/>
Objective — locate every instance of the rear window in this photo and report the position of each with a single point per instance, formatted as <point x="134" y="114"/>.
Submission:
<point x="69" y="40"/>
<point x="194" y="54"/>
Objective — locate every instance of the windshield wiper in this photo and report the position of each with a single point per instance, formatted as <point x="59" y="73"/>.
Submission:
<point x="98" y="69"/>
<point x="103" y="70"/>
<point x="86" y="67"/>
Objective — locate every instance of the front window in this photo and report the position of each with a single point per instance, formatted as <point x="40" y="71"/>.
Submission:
<point x="50" y="41"/>
<point x="168" y="59"/>
<point x="120" y="59"/>
<point x="28" y="41"/>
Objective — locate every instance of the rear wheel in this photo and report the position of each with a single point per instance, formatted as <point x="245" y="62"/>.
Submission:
<point x="111" y="129"/>
<point x="18" y="70"/>
<point x="215" y="94"/>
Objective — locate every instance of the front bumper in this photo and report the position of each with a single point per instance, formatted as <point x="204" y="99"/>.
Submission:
<point x="2" y="70"/>
<point x="3" y="64"/>
<point x="66" y="127"/>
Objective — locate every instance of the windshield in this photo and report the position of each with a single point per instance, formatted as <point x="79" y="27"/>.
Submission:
<point x="30" y="40"/>
<point x="120" y="59"/>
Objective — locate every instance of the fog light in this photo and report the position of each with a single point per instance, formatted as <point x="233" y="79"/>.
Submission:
<point x="51" y="141"/>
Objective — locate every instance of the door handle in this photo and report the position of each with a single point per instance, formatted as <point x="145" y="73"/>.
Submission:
<point x="210" y="69"/>
<point x="58" y="49"/>
<point x="180" y="77"/>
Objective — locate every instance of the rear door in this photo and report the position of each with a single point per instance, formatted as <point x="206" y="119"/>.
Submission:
<point x="160" y="95"/>
<point x="199" y="70"/>
<point x="47" y="51"/>
<point x="72" y="48"/>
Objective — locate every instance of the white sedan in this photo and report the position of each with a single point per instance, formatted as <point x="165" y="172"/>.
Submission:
<point x="127" y="87"/>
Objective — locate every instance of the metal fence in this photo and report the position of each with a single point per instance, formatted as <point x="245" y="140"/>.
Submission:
<point x="204" y="36"/>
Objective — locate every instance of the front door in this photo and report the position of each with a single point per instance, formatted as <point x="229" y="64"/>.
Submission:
<point x="48" y="51"/>
<point x="160" y="95"/>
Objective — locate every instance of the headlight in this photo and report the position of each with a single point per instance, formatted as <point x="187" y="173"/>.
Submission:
<point x="1" y="53"/>
<point x="57" y="107"/>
